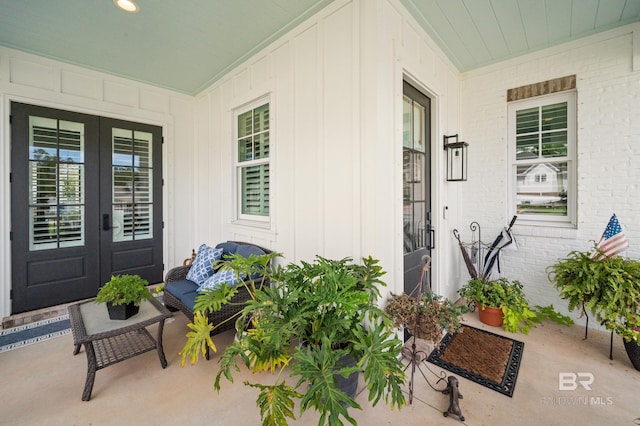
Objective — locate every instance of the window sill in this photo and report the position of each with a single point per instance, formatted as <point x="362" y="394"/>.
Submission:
<point x="255" y="225"/>
<point x="546" y="229"/>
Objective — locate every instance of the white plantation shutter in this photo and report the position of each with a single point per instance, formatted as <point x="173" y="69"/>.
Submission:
<point x="56" y="183"/>
<point x="132" y="184"/>
<point x="253" y="162"/>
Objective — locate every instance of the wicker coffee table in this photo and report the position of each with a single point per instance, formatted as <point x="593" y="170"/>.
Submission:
<point x="107" y="342"/>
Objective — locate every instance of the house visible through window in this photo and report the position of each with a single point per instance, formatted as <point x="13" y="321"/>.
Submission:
<point x="252" y="165"/>
<point x="542" y="138"/>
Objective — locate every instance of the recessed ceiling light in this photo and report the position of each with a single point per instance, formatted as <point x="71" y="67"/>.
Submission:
<point x="127" y="5"/>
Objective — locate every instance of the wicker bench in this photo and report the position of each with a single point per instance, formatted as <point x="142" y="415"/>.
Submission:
<point x="180" y="293"/>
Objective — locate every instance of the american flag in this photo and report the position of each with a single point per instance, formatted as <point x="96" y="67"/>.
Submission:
<point x="612" y="242"/>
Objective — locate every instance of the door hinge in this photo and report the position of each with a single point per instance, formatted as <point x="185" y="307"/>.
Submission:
<point x="10" y="177"/>
<point x="11" y="119"/>
<point x="162" y="139"/>
<point x="11" y="294"/>
<point x="162" y="182"/>
<point x="163" y="224"/>
<point x="10" y="236"/>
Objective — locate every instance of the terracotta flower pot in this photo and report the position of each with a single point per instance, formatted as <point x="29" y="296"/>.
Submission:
<point x="489" y="315"/>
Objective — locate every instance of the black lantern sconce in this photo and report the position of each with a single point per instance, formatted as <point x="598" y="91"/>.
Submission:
<point x="456" y="159"/>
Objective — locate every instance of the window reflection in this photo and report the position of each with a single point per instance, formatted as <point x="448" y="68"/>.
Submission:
<point x="542" y="188"/>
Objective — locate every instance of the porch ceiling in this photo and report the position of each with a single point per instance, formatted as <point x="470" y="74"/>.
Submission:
<point x="186" y="46"/>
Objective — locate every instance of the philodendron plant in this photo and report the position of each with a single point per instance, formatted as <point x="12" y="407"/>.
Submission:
<point x="313" y="319"/>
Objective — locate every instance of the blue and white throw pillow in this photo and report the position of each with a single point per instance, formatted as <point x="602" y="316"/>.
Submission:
<point x="219" y="278"/>
<point x="202" y="267"/>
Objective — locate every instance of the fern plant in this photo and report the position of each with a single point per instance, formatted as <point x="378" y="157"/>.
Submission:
<point x="608" y="288"/>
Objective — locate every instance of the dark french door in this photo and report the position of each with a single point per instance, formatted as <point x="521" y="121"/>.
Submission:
<point x="86" y="203"/>
<point x="417" y="229"/>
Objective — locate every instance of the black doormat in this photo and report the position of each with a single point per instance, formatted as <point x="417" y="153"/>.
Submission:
<point x="483" y="357"/>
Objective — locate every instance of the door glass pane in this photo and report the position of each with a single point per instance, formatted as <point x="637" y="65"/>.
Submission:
<point x="542" y="189"/>
<point x="407" y="136"/>
<point x="132" y="183"/>
<point x="143" y="221"/>
<point x="418" y="127"/>
<point x="70" y="225"/>
<point x="143" y="185"/>
<point x="414" y="201"/>
<point x="56" y="183"/>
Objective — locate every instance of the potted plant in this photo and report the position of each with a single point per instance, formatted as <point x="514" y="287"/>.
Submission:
<point x="322" y="321"/>
<point x="608" y="288"/>
<point x="426" y="317"/>
<point x="123" y="295"/>
<point x="503" y="301"/>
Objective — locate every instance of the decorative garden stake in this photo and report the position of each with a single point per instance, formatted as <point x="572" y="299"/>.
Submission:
<point x="454" y="396"/>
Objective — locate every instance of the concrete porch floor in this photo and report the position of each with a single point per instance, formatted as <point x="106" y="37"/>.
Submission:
<point x="42" y="384"/>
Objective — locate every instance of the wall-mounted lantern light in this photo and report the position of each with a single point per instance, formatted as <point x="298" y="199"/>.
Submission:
<point x="456" y="159"/>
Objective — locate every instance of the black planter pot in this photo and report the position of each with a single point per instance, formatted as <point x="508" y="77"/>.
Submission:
<point x="122" y="312"/>
<point x="349" y="384"/>
<point x="633" y="351"/>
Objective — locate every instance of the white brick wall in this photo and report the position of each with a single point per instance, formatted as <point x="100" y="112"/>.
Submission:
<point x="608" y="154"/>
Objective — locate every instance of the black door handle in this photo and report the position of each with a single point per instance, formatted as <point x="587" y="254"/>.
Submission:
<point x="106" y="225"/>
<point x="432" y="235"/>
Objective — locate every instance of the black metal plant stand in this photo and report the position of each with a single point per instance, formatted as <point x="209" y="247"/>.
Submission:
<point x="417" y="356"/>
<point x="586" y="330"/>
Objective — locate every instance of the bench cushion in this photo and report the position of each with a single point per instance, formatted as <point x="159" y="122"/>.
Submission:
<point x="228" y="247"/>
<point x="189" y="299"/>
<point x="180" y="287"/>
<point x="247" y="250"/>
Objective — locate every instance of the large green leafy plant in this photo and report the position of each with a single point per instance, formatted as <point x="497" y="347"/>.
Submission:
<point x="304" y="327"/>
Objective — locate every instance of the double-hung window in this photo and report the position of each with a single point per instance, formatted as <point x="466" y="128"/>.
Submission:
<point x="253" y="161"/>
<point x="542" y="141"/>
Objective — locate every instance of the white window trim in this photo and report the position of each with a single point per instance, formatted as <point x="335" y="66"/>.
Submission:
<point x="570" y="221"/>
<point x="247" y="219"/>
